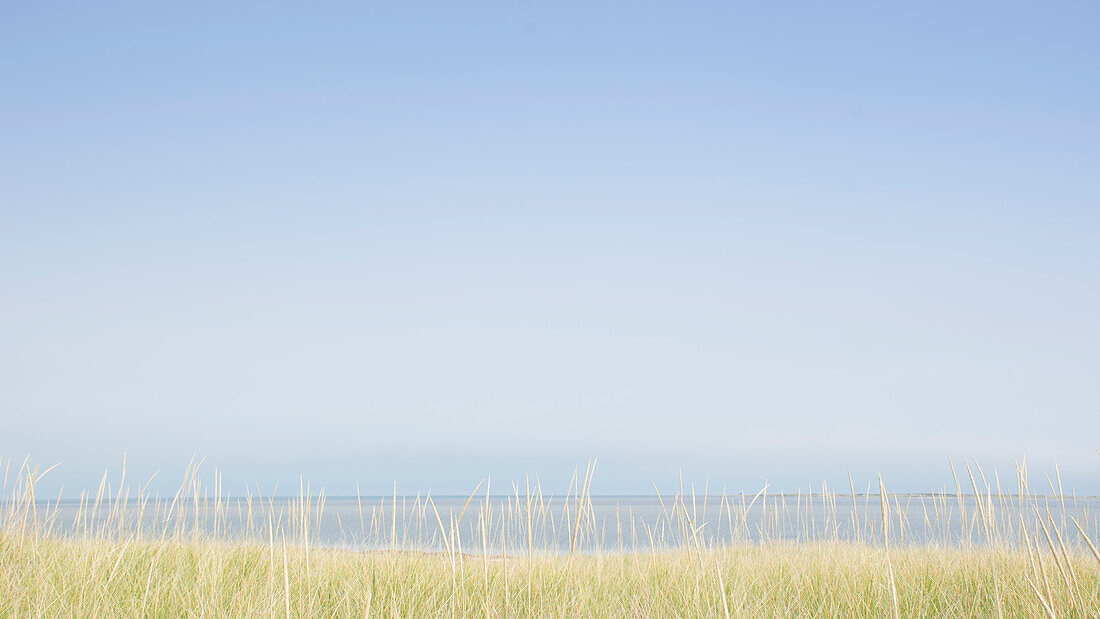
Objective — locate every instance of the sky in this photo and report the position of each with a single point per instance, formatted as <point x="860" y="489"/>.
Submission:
<point x="360" y="243"/>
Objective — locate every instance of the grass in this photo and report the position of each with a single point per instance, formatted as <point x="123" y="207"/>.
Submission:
<point x="170" y="578"/>
<point x="1027" y="563"/>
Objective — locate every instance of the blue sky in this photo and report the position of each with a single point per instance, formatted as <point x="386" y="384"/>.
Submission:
<point x="427" y="242"/>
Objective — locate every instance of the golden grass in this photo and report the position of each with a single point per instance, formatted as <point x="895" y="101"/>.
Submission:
<point x="1036" y="566"/>
<point x="173" y="578"/>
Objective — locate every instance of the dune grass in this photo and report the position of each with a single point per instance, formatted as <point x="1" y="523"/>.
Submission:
<point x="172" y="578"/>
<point x="1042" y="565"/>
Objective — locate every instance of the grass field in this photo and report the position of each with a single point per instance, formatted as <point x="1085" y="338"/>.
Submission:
<point x="1034" y="567"/>
<point x="170" y="578"/>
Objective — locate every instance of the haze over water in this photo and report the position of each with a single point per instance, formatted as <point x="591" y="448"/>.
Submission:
<point x="609" y="524"/>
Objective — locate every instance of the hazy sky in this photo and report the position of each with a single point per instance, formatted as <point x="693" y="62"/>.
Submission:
<point x="426" y="242"/>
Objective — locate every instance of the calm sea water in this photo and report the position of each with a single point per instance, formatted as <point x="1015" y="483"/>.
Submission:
<point x="556" y="524"/>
